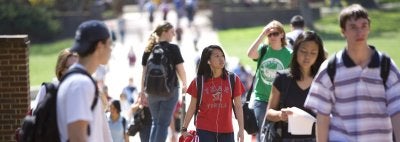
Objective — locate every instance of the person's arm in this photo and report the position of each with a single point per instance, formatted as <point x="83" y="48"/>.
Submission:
<point x="239" y="116"/>
<point x="322" y="128"/>
<point x="252" y="51"/>
<point x="272" y="113"/>
<point x="182" y="75"/>
<point x="126" y="137"/>
<point x="142" y="80"/>
<point x="189" y="115"/>
<point x="396" y="126"/>
<point x="77" y="131"/>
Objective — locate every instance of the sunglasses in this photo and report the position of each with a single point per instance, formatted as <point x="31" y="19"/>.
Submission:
<point x="275" y="34"/>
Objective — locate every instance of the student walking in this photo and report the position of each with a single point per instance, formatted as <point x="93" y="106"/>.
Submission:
<point x="290" y="89"/>
<point x="117" y="123"/>
<point x="297" y="27"/>
<point x="163" y="105"/>
<point x="80" y="116"/>
<point x="214" y="113"/>
<point x="273" y="56"/>
<point x="356" y="103"/>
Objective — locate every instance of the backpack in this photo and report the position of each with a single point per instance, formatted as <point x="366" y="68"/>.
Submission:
<point x="159" y="74"/>
<point x="41" y="126"/>
<point x="199" y="84"/>
<point x="384" y="65"/>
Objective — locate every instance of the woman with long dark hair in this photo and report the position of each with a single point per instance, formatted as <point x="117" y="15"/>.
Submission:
<point x="308" y="55"/>
<point x="214" y="118"/>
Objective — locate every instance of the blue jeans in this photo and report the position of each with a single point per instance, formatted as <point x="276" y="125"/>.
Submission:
<point x="208" y="136"/>
<point x="145" y="133"/>
<point x="260" y="108"/>
<point x="161" y="109"/>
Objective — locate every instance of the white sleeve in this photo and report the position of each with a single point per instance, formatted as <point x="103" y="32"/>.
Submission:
<point x="39" y="97"/>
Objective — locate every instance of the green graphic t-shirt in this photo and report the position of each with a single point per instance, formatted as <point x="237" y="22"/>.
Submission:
<point x="271" y="62"/>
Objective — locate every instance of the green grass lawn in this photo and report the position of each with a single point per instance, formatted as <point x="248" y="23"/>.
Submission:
<point x="42" y="60"/>
<point x="384" y="35"/>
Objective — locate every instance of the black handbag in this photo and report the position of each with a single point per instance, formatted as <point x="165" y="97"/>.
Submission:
<point x="142" y="118"/>
<point x="271" y="131"/>
<point x="249" y="119"/>
<point x="138" y="119"/>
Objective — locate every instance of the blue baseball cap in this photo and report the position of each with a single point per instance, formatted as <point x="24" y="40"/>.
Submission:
<point x="88" y="33"/>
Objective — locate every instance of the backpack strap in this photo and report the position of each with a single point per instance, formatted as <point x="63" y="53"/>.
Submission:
<point x="123" y="125"/>
<point x="199" y="85"/>
<point x="385" y="68"/>
<point x="263" y="52"/>
<point x="232" y="85"/>
<point x="331" y="69"/>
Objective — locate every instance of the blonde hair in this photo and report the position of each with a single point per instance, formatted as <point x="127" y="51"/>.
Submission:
<point x="162" y="27"/>
<point x="61" y="64"/>
<point x="278" y="25"/>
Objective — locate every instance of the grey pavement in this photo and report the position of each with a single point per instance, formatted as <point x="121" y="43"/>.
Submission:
<point x="137" y="33"/>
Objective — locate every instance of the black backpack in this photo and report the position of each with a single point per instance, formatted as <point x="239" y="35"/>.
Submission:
<point x="159" y="73"/>
<point x="199" y="85"/>
<point x="384" y="65"/>
<point x="41" y="126"/>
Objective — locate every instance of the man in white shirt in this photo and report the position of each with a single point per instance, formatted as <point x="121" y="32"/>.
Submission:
<point x="77" y="120"/>
<point x="297" y="26"/>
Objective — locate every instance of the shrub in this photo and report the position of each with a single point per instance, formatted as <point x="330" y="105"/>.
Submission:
<point x="36" y="21"/>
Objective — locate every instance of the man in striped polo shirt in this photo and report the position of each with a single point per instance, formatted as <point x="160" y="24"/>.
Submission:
<point x="356" y="105"/>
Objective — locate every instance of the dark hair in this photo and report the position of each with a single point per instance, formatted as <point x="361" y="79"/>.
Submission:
<point x="162" y="27"/>
<point x="92" y="48"/>
<point x="117" y="105"/>
<point x="355" y="11"/>
<point x="297" y="21"/>
<point x="304" y="37"/>
<point x="204" y="68"/>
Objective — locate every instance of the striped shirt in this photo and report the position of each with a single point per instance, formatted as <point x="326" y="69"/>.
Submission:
<point x="358" y="106"/>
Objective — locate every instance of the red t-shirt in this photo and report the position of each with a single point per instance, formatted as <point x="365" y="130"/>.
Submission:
<point x="215" y="113"/>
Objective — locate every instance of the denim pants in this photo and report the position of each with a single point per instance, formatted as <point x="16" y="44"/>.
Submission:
<point x="161" y="109"/>
<point x="144" y="133"/>
<point x="260" y="108"/>
<point x="208" y="136"/>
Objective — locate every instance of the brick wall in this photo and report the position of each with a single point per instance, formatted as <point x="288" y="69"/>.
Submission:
<point x="14" y="83"/>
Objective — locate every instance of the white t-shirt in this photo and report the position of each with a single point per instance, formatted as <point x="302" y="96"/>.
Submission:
<point x="293" y="35"/>
<point x="74" y="100"/>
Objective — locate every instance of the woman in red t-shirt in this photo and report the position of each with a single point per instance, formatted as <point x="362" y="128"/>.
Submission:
<point x="214" y="118"/>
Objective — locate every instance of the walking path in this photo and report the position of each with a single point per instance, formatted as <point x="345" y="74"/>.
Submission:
<point x="137" y="33"/>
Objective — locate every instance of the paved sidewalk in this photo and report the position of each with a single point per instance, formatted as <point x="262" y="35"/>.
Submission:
<point x="138" y="31"/>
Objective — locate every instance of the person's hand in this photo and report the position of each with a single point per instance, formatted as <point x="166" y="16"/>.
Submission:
<point x="268" y="30"/>
<point x="186" y="134"/>
<point x="184" y="89"/>
<point x="284" y="114"/>
<point x="240" y="136"/>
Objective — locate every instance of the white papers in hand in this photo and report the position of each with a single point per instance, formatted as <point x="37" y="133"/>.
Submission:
<point x="300" y="122"/>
